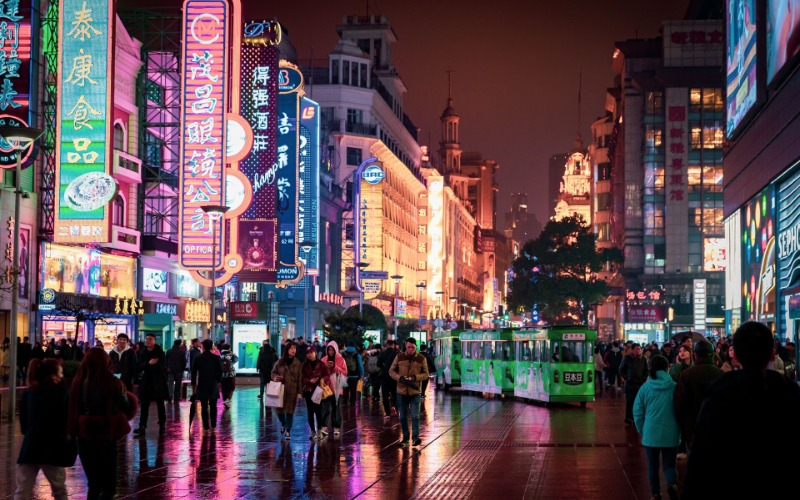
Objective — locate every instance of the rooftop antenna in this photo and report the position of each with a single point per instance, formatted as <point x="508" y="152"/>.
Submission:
<point x="580" y="84"/>
<point x="449" y="83"/>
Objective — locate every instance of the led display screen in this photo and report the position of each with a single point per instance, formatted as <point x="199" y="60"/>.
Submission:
<point x="758" y="257"/>
<point x="783" y="34"/>
<point x="741" y="60"/>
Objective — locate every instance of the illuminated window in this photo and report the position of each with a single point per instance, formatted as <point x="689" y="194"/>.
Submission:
<point x="154" y="92"/>
<point x="712" y="179"/>
<point x="697" y="139"/>
<point x="713" y="100"/>
<point x="713" y="135"/>
<point x="695" y="99"/>
<point x="653" y="178"/>
<point x="694" y="179"/>
<point x="655" y="103"/>
<point x="653" y="136"/>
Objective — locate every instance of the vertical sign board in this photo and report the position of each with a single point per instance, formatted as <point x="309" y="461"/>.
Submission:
<point x="290" y="90"/>
<point x="788" y="245"/>
<point x="83" y="121"/>
<point x="15" y="74"/>
<point x="759" y="298"/>
<point x="676" y="178"/>
<point x="204" y="84"/>
<point x="741" y="61"/>
<point x="436" y="232"/>
<point x="259" y="106"/>
<point x="308" y="185"/>
<point x="369" y="221"/>
<point x="700" y="299"/>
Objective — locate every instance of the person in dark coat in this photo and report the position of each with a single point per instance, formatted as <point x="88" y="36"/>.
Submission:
<point x="153" y="385"/>
<point x="693" y="385"/>
<point x="24" y="355"/>
<point x="194" y="352"/>
<point x="43" y="417"/>
<point x="389" y="385"/>
<point x="206" y="377"/>
<point x="124" y="361"/>
<point x="264" y="364"/>
<point x="633" y="371"/>
<point x="176" y="364"/>
<point x="747" y="428"/>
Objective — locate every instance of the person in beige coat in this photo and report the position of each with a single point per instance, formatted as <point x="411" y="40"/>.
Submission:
<point x="409" y="369"/>
<point x="288" y="371"/>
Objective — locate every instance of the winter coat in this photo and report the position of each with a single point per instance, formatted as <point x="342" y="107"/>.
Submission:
<point x="676" y="370"/>
<point x="206" y="376"/>
<point x="385" y="360"/>
<point x="317" y="370"/>
<point x="598" y="363"/>
<point x="338" y="374"/>
<point x="691" y="391"/>
<point x="127" y="365"/>
<point x="153" y="384"/>
<point x="740" y="435"/>
<point x="654" y="413"/>
<point x="406" y="366"/>
<point x="265" y="361"/>
<point x="43" y="415"/>
<point x="633" y="370"/>
<point x="176" y="362"/>
<point x="612" y="359"/>
<point x="291" y="369"/>
<point x="351" y="351"/>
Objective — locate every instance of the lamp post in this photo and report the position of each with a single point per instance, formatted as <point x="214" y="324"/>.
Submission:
<point x="216" y="212"/>
<point x="360" y="265"/>
<point x="421" y="288"/>
<point x="396" y="278"/>
<point x="306" y="246"/>
<point x="439" y="301"/>
<point x="20" y="138"/>
<point x="464" y="315"/>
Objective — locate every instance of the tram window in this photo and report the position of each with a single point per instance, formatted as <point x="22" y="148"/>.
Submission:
<point x="508" y="354"/>
<point x="477" y="350"/>
<point x="573" y="352"/>
<point x="537" y="350"/>
<point x="555" y="348"/>
<point x="543" y="351"/>
<point x="467" y="352"/>
<point x="456" y="346"/>
<point x="526" y="350"/>
<point x="488" y="350"/>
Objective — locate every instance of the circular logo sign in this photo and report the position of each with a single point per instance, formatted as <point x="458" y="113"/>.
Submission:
<point x="373" y="174"/>
<point x="8" y="152"/>
<point x="47" y="296"/>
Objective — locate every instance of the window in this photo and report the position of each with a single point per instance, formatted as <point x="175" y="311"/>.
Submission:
<point x="603" y="231"/>
<point x="603" y="171"/>
<point x="154" y="92"/>
<point x="119" y="138"/>
<point x="354" y="156"/>
<point x="713" y="100"/>
<point x="355" y="115"/>
<point x="653" y="219"/>
<point x="363" y="75"/>
<point x="354" y="74"/>
<point x="118" y="212"/>
<point x="696" y="135"/>
<point x="153" y="150"/>
<point x="713" y="135"/>
<point x="653" y="136"/>
<point x="654" y="178"/>
<point x="695" y="99"/>
<point x="694" y="179"/>
<point x="603" y="202"/>
<point x="346" y="72"/>
<point x="712" y="178"/>
<point x="335" y="72"/>
<point x="655" y="103"/>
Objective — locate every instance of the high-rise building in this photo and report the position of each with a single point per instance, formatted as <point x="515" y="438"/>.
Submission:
<point x="520" y="224"/>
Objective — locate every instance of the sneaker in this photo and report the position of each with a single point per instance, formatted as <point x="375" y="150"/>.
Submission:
<point x="417" y="442"/>
<point x="335" y="432"/>
<point x="283" y="430"/>
<point x="681" y="456"/>
<point x="672" y="491"/>
<point x="288" y="436"/>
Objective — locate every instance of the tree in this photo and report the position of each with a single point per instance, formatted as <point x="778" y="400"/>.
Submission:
<point x="558" y="271"/>
<point x="341" y="327"/>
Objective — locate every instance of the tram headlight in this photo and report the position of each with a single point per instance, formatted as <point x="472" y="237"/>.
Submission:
<point x="555" y="376"/>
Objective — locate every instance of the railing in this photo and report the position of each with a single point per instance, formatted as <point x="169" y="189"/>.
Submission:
<point x="361" y="128"/>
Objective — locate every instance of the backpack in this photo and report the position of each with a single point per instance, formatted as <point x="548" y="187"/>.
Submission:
<point x="352" y="364"/>
<point x="372" y="365"/>
<point x="227" y="366"/>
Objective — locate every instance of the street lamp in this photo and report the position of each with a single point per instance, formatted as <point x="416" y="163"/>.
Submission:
<point x="396" y="278"/>
<point x="360" y="265"/>
<point x="20" y="138"/>
<point x="464" y="315"/>
<point x="439" y="302"/>
<point x="216" y="212"/>
<point x="306" y="246"/>
<point x="421" y="288"/>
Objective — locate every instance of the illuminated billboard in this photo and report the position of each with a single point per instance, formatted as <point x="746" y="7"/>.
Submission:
<point x="758" y="258"/>
<point x="83" y="121"/>
<point x="15" y="74"/>
<point x="86" y="271"/>
<point x="741" y="59"/>
<point x="257" y="226"/>
<point x="367" y="180"/>
<point x="154" y="280"/>
<point x="715" y="254"/>
<point x="436" y="232"/>
<point x="204" y="84"/>
<point x="783" y="30"/>
<point x="290" y="90"/>
<point x="308" y="185"/>
<point x="788" y="233"/>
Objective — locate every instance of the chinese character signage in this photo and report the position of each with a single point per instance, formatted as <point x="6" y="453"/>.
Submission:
<point x="308" y="185"/>
<point x="259" y="107"/>
<point x="290" y="89"/>
<point x="676" y="156"/>
<point x="204" y="82"/>
<point x="653" y="296"/>
<point x="693" y="43"/>
<point x="645" y="314"/>
<point x="244" y="310"/>
<point x="15" y="73"/>
<point x="741" y="58"/>
<point x="369" y="221"/>
<point x="83" y="121"/>
<point x="758" y="258"/>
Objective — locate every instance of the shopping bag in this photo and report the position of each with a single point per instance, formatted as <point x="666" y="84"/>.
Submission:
<point x="274" y="397"/>
<point x="326" y="391"/>
<point x="360" y="386"/>
<point x="316" y="398"/>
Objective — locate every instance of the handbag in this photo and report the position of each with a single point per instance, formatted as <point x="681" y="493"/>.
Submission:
<point x="326" y="391"/>
<point x="274" y="397"/>
<point x="316" y="398"/>
<point x="105" y="427"/>
<point x="360" y="386"/>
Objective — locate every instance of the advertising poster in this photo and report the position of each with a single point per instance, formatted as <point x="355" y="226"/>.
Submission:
<point x="788" y="229"/>
<point x="741" y="61"/>
<point x="715" y="254"/>
<point x="85" y="105"/>
<point x="783" y="34"/>
<point x="246" y="344"/>
<point x="154" y="280"/>
<point x="24" y="261"/>
<point x="758" y="258"/>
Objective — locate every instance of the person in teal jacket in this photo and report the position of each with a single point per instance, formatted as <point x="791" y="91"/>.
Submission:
<point x="654" y="416"/>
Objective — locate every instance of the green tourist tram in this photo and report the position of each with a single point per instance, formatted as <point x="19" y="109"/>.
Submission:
<point x="555" y="364"/>
<point x="446" y="347"/>
<point x="487" y="357"/>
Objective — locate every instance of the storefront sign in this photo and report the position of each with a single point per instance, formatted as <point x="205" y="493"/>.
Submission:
<point x="308" y="185"/>
<point x="187" y="286"/>
<point x="154" y="280"/>
<point x="700" y="300"/>
<point x="369" y="222"/>
<point x="246" y="344"/>
<point x="86" y="271"/>
<point x="788" y="240"/>
<point x="331" y="298"/>
<point x="196" y="311"/>
<point x="161" y="308"/>
<point x="127" y="305"/>
<point x="648" y="296"/>
<point x="645" y="314"/>
<point x="675" y="177"/>
<point x="47" y="299"/>
<point x="204" y="83"/>
<point x="15" y="74"/>
<point x="83" y="121"/>
<point x="244" y="310"/>
<point x="436" y="232"/>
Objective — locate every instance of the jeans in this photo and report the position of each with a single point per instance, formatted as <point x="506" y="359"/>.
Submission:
<point x="350" y="390"/>
<point x="389" y="394"/>
<point x="208" y="406"/>
<point x="375" y="382"/>
<point x="402" y="402"/>
<point x="630" y="396"/>
<point x="331" y="408"/>
<point x="227" y="385"/>
<point x="174" y="386"/>
<point x="264" y="381"/>
<point x="26" y="480"/>
<point x="314" y="410"/>
<point x="99" y="461"/>
<point x="162" y="412"/>
<point x="286" y="420"/>
<point x="670" y="471"/>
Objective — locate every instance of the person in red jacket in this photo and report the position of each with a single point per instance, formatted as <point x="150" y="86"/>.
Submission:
<point x="314" y="371"/>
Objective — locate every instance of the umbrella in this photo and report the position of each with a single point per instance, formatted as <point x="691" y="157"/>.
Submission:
<point x="192" y="409"/>
<point x="696" y="336"/>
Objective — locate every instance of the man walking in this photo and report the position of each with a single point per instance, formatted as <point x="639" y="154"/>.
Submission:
<point x="228" y="359"/>
<point x="206" y="377"/>
<point x="389" y="385"/>
<point x="409" y="369"/>
<point x="176" y="364"/>
<point x="633" y="371"/>
<point x="264" y="364"/>
<point x="153" y="386"/>
<point x="125" y="363"/>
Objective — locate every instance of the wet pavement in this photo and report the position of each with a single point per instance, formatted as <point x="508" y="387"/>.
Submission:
<point x="472" y="448"/>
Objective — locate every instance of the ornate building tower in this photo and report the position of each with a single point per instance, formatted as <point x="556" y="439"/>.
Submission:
<point x="449" y="146"/>
<point x="576" y="185"/>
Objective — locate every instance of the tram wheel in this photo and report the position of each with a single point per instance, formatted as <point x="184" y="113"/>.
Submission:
<point x="583" y="404"/>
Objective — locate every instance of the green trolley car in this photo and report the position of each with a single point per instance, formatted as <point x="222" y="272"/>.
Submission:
<point x="555" y="364"/>
<point x="487" y="357"/>
<point x="446" y="347"/>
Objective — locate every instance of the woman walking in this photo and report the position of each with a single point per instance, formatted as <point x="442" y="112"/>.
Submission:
<point x="43" y="420"/>
<point x="289" y="372"/>
<point x="99" y="414"/>
<point x="654" y="416"/>
<point x="682" y="362"/>
<point x="314" y="371"/>
<point x="337" y="368"/>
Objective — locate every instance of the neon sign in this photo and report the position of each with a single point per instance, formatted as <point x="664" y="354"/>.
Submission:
<point x="15" y="73"/>
<point x="204" y="82"/>
<point x="308" y="185"/>
<point x="83" y="116"/>
<point x="369" y="225"/>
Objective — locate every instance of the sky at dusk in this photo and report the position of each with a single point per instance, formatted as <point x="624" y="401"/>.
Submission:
<point x="516" y="67"/>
